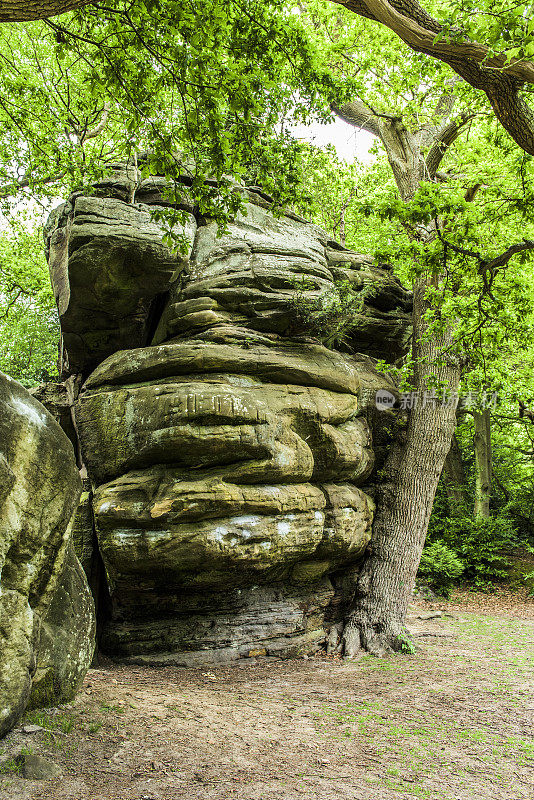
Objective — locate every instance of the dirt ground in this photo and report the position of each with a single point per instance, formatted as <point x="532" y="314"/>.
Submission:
<point x="452" y="722"/>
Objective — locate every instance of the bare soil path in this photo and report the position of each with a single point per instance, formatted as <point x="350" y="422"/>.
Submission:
<point x="452" y="722"/>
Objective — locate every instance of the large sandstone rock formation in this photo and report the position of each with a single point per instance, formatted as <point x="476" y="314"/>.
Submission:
<point x="228" y="453"/>
<point x="46" y="609"/>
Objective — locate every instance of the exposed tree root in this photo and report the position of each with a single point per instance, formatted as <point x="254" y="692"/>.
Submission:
<point x="352" y="638"/>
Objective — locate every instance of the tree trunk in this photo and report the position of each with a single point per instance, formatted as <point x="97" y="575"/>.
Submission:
<point x="412" y="470"/>
<point x="455" y="480"/>
<point x="483" y="463"/>
<point x="414" y="465"/>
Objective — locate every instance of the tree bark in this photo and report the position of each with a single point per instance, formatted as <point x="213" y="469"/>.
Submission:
<point x="483" y="463"/>
<point x="455" y="480"/>
<point x="25" y="10"/>
<point x="412" y="470"/>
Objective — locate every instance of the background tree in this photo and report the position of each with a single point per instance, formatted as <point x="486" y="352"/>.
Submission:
<point x="408" y="105"/>
<point x="29" y="326"/>
<point x="500" y="65"/>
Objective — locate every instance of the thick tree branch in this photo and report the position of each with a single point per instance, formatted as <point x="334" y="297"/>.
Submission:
<point x="494" y="263"/>
<point x="504" y="258"/>
<point x="448" y="134"/>
<point x="25" y="10"/>
<point x="10" y="189"/>
<point x="94" y="132"/>
<point x="442" y="112"/>
<point x="358" y="114"/>
<point x="445" y="104"/>
<point x="419" y="30"/>
<point x="501" y="80"/>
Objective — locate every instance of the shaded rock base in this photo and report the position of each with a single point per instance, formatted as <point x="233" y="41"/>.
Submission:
<point x="271" y="620"/>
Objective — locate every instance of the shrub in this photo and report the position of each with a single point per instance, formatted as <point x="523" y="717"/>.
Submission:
<point x="330" y="314"/>
<point x="485" y="545"/>
<point x="440" y="567"/>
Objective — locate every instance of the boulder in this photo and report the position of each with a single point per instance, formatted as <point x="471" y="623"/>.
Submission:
<point x="66" y="638"/>
<point x="39" y="491"/>
<point x="229" y="451"/>
<point x="37" y="768"/>
<point x="108" y="264"/>
<point x="195" y="534"/>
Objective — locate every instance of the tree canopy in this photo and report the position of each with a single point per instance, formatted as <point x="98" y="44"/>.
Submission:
<point x="220" y="82"/>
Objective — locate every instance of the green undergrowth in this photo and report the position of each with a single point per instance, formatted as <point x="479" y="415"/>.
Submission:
<point x="62" y="727"/>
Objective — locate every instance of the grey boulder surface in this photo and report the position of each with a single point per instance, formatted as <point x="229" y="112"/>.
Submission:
<point x="46" y="610"/>
<point x="108" y="263"/>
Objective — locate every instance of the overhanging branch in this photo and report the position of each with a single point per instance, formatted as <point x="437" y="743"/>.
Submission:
<point x="26" y="10"/>
<point x="10" y="189"/>
<point x="419" y="30"/>
<point x="359" y="115"/>
<point x="501" y="80"/>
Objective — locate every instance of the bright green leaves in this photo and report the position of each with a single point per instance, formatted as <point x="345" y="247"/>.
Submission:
<point x="374" y="65"/>
<point x="504" y="27"/>
<point x="220" y="81"/>
<point x="29" y="328"/>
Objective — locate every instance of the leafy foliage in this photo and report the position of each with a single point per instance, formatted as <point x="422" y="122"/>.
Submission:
<point x="29" y="328"/>
<point x="332" y="314"/>
<point x="505" y="27"/>
<point x="219" y="81"/>
<point x="484" y="546"/>
<point x="440" y="567"/>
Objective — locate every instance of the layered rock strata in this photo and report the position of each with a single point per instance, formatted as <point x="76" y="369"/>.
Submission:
<point x="227" y="450"/>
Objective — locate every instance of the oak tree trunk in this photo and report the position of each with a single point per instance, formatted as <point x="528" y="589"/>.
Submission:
<point x="414" y="465"/>
<point x="483" y="463"/>
<point x="412" y="470"/>
<point x="455" y="480"/>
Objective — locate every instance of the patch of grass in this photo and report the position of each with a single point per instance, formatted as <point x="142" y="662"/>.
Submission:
<point x="395" y="664"/>
<point x="57" y="726"/>
<point x="94" y="727"/>
<point x="11" y="766"/>
<point x="110" y="707"/>
<point x="419" y="745"/>
<point x="50" y="720"/>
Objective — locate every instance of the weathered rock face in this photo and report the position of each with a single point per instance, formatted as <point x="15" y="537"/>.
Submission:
<point x="57" y="399"/>
<point x="245" y="278"/>
<point x="108" y="263"/>
<point x="40" y="638"/>
<point x="66" y="638"/>
<point x="226" y="451"/>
